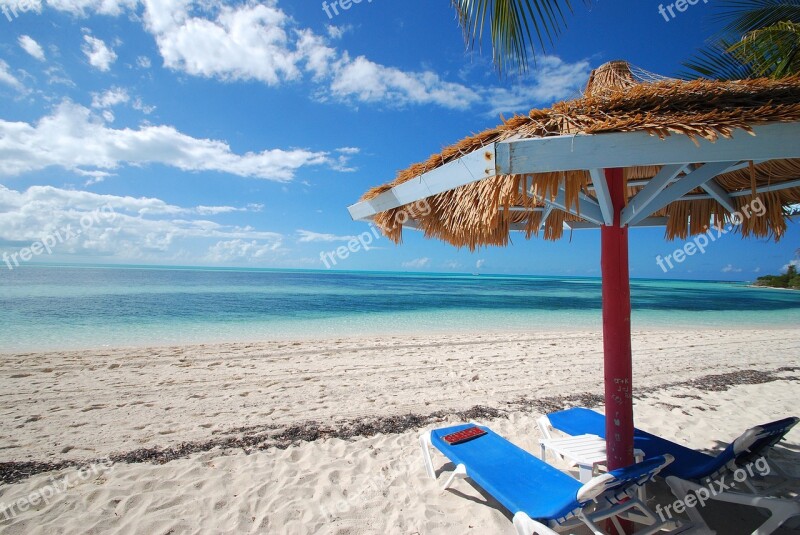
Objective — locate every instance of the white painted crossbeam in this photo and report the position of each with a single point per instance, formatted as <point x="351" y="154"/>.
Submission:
<point x="588" y="152"/>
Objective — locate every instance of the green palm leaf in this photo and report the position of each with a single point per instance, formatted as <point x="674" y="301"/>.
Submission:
<point x="761" y="38"/>
<point x="743" y="16"/>
<point x="716" y="62"/>
<point x="771" y="51"/>
<point x="514" y="25"/>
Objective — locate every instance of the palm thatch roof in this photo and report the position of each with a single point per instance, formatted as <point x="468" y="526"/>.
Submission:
<point x="616" y="99"/>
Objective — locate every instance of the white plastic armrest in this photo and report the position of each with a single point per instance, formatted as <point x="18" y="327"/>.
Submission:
<point x="544" y="427"/>
<point x="525" y="525"/>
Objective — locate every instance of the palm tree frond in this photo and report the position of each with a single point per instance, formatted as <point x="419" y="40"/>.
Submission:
<point x="743" y="16"/>
<point x="716" y="62"/>
<point x="514" y="25"/>
<point x="771" y="51"/>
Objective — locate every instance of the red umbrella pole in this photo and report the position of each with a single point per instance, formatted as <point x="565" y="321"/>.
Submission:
<point x="617" y="331"/>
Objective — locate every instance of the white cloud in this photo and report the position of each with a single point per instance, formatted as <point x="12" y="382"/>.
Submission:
<point x="75" y="139"/>
<point x="142" y="107"/>
<point x="249" y="42"/>
<point x="259" y="41"/>
<point x="479" y="264"/>
<point x="95" y="177"/>
<point x="795" y="263"/>
<point x="731" y="269"/>
<point x="214" y="210"/>
<point x="336" y="32"/>
<point x="553" y="79"/>
<point x="30" y="46"/>
<point x="98" y="53"/>
<point x="308" y="236"/>
<point x="368" y="81"/>
<point x="143" y="62"/>
<point x="7" y="78"/>
<point x="417" y="263"/>
<point x="110" y="98"/>
<point x="225" y="252"/>
<point x="79" y="8"/>
<point x="453" y="265"/>
<point x="100" y="7"/>
<point x="123" y="228"/>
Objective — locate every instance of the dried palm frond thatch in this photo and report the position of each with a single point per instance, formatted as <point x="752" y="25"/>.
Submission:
<point x="617" y="99"/>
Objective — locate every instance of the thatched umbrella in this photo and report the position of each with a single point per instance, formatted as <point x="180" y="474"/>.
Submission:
<point x="635" y="150"/>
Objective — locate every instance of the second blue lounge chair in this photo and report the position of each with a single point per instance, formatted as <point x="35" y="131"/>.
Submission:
<point x="542" y="499"/>
<point x="700" y="474"/>
<point x="689" y="463"/>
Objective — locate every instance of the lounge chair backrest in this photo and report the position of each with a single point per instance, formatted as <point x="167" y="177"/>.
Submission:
<point x="755" y="442"/>
<point x="621" y="480"/>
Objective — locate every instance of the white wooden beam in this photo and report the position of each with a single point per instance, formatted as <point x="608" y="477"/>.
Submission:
<point x="628" y="149"/>
<point x="470" y="168"/>
<point x="746" y="193"/>
<point x="522" y="209"/>
<point x="716" y="191"/>
<point x="603" y="196"/>
<point x="598" y="151"/>
<point x="587" y="210"/>
<point x="545" y="216"/>
<point x="639" y="203"/>
<point x="693" y="180"/>
<point x="646" y="222"/>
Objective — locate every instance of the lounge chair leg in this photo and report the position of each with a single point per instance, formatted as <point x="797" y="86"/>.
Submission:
<point x="780" y="509"/>
<point x="780" y="512"/>
<point x="525" y="525"/>
<point x="425" y="444"/>
<point x="681" y="489"/>
<point x="459" y="473"/>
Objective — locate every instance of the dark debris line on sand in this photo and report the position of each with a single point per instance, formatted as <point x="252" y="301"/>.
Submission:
<point x="257" y="438"/>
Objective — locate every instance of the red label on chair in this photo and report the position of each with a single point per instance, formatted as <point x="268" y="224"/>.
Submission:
<point x="463" y="436"/>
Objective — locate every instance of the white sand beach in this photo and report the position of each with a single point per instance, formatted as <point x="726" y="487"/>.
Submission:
<point x="247" y="411"/>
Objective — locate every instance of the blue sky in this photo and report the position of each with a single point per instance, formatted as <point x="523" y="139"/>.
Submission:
<point x="236" y="133"/>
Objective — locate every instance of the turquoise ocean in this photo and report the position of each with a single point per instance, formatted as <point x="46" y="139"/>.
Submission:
<point x="56" y="307"/>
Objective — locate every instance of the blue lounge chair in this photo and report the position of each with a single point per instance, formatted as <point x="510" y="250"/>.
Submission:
<point x="542" y="499"/>
<point x="693" y="470"/>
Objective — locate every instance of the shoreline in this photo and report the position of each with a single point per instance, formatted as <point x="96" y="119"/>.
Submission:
<point x="294" y="338"/>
